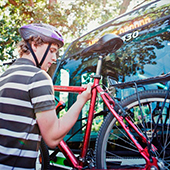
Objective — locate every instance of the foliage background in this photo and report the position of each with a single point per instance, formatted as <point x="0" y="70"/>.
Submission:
<point x="72" y="19"/>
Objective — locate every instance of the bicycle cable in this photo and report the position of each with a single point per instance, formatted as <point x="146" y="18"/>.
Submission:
<point x="154" y="132"/>
<point x="148" y="142"/>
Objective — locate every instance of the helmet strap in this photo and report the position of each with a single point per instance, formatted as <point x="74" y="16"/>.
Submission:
<point x="45" y="54"/>
<point x="34" y="56"/>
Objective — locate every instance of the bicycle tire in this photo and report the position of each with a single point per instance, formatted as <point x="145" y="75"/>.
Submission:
<point x="113" y="150"/>
<point x="43" y="159"/>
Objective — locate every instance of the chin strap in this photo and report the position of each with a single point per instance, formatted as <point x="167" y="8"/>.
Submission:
<point x="45" y="54"/>
<point x="34" y="56"/>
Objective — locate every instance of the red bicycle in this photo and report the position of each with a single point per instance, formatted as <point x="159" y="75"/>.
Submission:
<point x="135" y="134"/>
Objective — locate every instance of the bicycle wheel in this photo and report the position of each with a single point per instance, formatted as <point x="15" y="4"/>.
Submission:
<point x="43" y="159"/>
<point x="114" y="149"/>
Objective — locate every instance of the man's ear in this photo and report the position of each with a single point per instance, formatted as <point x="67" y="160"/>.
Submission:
<point x="33" y="46"/>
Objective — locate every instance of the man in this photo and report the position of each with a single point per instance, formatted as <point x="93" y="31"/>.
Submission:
<point x="27" y="105"/>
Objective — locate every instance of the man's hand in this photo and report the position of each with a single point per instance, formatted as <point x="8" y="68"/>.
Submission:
<point x="86" y="95"/>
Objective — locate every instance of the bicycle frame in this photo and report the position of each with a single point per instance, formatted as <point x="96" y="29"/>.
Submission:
<point x="110" y="104"/>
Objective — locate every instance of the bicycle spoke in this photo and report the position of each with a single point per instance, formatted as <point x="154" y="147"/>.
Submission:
<point x="130" y="143"/>
<point x="122" y="146"/>
<point x="165" y="143"/>
<point x="164" y="148"/>
<point x="115" y="143"/>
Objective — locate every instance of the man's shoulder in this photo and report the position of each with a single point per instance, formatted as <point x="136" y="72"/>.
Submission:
<point x="25" y="64"/>
<point x="20" y="66"/>
<point x="42" y="79"/>
<point x="41" y="74"/>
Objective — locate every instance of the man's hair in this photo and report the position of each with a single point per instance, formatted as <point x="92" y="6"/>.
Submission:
<point x="23" y="47"/>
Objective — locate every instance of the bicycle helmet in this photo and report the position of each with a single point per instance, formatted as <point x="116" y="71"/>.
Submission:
<point x="47" y="33"/>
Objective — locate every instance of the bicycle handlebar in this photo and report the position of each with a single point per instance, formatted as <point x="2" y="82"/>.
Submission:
<point x="72" y="89"/>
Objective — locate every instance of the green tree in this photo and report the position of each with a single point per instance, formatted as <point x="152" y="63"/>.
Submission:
<point x="72" y="19"/>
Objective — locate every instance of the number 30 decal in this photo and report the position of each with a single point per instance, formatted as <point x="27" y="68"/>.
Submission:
<point x="129" y="36"/>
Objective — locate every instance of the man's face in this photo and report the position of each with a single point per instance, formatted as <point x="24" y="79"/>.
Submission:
<point x="50" y="58"/>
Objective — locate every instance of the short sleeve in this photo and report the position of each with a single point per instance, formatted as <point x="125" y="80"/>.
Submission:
<point x="41" y="92"/>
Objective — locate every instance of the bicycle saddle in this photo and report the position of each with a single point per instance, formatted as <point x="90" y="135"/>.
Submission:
<point x="108" y="43"/>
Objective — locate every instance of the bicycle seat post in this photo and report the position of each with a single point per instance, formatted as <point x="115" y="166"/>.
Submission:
<point x="99" y="67"/>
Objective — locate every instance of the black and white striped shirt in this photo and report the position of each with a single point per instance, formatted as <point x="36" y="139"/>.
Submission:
<point x="24" y="91"/>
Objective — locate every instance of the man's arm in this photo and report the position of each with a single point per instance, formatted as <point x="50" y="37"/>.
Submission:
<point x="53" y="129"/>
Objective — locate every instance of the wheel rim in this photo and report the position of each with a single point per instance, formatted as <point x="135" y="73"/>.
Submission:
<point x="118" y="146"/>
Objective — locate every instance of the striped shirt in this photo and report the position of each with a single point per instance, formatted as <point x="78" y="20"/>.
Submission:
<point x="24" y="91"/>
